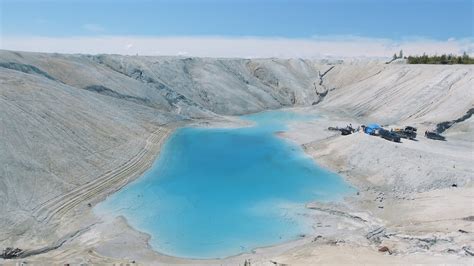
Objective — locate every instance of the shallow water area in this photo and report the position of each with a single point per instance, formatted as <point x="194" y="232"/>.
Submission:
<point x="214" y="193"/>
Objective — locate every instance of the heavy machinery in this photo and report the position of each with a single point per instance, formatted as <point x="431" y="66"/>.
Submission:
<point x="407" y="133"/>
<point x="344" y="130"/>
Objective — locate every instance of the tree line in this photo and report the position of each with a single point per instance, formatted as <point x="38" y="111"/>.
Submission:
<point x="443" y="59"/>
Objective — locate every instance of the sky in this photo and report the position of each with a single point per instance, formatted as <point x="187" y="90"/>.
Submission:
<point x="239" y="28"/>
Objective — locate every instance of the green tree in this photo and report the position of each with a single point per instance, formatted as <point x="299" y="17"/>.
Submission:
<point x="441" y="59"/>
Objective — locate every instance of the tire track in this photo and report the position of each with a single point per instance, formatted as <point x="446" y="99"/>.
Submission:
<point x="109" y="181"/>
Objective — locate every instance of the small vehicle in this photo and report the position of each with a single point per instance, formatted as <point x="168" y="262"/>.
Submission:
<point x="434" y="135"/>
<point x="407" y="132"/>
<point x="388" y="135"/>
<point x="344" y="130"/>
<point x="410" y="128"/>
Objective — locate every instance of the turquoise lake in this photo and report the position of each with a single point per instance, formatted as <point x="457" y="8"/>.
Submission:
<point x="214" y="193"/>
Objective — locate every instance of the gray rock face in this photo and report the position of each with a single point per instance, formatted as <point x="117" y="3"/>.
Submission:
<point x="67" y="119"/>
<point x="25" y="68"/>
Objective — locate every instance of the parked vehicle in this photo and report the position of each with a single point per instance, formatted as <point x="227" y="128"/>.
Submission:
<point x="410" y="128"/>
<point x="407" y="132"/>
<point x="388" y="135"/>
<point x="434" y="135"/>
<point x="344" y="130"/>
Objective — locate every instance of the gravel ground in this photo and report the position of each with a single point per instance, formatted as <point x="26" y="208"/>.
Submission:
<point x="75" y="128"/>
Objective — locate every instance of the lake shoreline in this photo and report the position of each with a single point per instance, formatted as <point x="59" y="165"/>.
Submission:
<point x="275" y="210"/>
<point x="357" y="216"/>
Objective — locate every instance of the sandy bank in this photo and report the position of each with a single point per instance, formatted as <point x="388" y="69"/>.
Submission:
<point x="419" y="222"/>
<point x="75" y="128"/>
<point x="406" y="202"/>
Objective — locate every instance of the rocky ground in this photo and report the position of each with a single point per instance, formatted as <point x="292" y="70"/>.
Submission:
<point x="415" y="200"/>
<point x="76" y="128"/>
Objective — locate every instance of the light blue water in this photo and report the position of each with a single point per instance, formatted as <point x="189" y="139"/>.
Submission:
<point x="219" y="192"/>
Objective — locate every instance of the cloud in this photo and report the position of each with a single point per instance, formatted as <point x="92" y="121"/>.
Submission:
<point x="247" y="47"/>
<point x="93" y="27"/>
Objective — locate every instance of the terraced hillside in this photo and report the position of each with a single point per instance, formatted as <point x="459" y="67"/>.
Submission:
<point x="76" y="127"/>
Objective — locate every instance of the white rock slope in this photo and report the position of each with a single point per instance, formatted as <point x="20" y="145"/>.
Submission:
<point x="67" y="121"/>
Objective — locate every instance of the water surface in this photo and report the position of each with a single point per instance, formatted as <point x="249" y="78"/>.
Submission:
<point x="219" y="192"/>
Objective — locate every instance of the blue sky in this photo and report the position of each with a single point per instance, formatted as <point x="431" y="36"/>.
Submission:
<point x="163" y="27"/>
<point x="433" y="19"/>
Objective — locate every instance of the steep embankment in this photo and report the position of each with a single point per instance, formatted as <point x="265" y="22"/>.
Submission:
<point x="401" y="93"/>
<point x="68" y="121"/>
